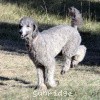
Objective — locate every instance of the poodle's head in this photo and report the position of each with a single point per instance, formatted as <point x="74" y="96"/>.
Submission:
<point x="27" y="27"/>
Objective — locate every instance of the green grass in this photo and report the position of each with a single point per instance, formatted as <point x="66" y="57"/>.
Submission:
<point x="12" y="13"/>
<point x="91" y="26"/>
<point x="18" y="73"/>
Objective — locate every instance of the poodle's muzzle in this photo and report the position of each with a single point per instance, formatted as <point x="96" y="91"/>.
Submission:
<point x="25" y="31"/>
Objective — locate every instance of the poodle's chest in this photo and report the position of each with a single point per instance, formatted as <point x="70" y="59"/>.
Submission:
<point x="31" y="52"/>
<point x="28" y="47"/>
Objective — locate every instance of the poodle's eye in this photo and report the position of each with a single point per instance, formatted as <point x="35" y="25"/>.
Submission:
<point x="20" y="26"/>
<point x="28" y="26"/>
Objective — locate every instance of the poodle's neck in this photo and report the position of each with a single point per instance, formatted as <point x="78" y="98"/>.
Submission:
<point x="32" y="37"/>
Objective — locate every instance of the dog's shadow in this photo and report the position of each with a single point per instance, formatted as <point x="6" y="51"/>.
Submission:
<point x="23" y="83"/>
<point x="10" y="38"/>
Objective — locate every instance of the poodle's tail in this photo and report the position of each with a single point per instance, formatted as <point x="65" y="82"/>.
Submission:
<point x="76" y="17"/>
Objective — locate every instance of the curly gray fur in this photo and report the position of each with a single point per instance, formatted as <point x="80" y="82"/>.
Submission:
<point x="44" y="46"/>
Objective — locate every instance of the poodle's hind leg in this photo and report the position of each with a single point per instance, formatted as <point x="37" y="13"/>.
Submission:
<point x="74" y="61"/>
<point x="66" y="66"/>
<point x="68" y="51"/>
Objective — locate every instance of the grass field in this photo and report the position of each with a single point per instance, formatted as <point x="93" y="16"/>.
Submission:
<point x="18" y="78"/>
<point x="18" y="73"/>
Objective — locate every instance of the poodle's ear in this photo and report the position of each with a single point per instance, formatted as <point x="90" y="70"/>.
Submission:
<point x="35" y="28"/>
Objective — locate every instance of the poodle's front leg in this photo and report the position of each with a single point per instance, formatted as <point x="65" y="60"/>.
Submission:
<point x="40" y="75"/>
<point x="49" y="74"/>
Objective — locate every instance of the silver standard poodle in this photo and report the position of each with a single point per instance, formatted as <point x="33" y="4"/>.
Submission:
<point x="44" y="46"/>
